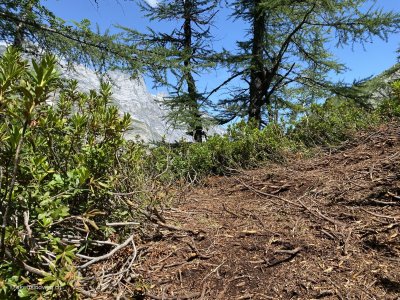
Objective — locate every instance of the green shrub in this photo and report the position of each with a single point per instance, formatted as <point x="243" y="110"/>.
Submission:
<point x="243" y="146"/>
<point x="390" y="108"/>
<point x="331" y="123"/>
<point x="57" y="165"/>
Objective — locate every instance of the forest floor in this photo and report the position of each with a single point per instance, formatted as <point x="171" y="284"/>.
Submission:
<point x="321" y="228"/>
<point x="326" y="227"/>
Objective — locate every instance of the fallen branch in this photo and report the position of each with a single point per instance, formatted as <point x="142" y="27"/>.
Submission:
<point x="116" y="278"/>
<point x="175" y="228"/>
<point x="108" y="255"/>
<point x="87" y="293"/>
<point x="332" y="237"/>
<point x="291" y="252"/>
<point x="93" y="242"/>
<point x="197" y="253"/>
<point x="122" y="224"/>
<point x="213" y="271"/>
<point x="229" y="212"/>
<point x="244" y="297"/>
<point x="269" y="195"/>
<point x="165" y="225"/>
<point x="391" y="203"/>
<point x="183" y="297"/>
<point x="346" y="242"/>
<point x="394" y="196"/>
<point x="379" y="215"/>
<point x="317" y="213"/>
<point x="126" y="194"/>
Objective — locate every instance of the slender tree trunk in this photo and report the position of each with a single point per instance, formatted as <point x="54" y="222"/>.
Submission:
<point x="197" y="127"/>
<point x="257" y="73"/>
<point x="270" y="105"/>
<point x="19" y="36"/>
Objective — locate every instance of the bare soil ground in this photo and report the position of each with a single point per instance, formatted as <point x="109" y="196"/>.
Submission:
<point x="321" y="228"/>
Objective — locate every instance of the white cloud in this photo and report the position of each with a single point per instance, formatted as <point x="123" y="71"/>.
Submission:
<point x="152" y="3"/>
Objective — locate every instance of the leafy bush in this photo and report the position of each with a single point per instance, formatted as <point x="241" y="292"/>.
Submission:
<point x="243" y="146"/>
<point x="57" y="165"/>
<point x="331" y="123"/>
<point x="390" y="108"/>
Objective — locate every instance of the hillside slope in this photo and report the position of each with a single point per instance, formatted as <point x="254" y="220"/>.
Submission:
<point x="320" y="228"/>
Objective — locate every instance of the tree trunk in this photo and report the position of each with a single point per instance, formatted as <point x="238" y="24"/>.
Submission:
<point x="257" y="73"/>
<point x="197" y="127"/>
<point x="19" y="35"/>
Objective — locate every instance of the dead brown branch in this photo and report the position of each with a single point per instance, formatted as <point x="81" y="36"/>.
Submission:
<point x="108" y="255"/>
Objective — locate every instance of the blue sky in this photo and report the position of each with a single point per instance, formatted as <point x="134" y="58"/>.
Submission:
<point x="375" y="58"/>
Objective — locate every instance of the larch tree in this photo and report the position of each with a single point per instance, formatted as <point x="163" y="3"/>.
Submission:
<point x="176" y="57"/>
<point x="30" y="26"/>
<point x="286" y="62"/>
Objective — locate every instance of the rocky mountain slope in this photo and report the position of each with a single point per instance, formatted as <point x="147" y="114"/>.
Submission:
<point x="379" y="86"/>
<point x="131" y="96"/>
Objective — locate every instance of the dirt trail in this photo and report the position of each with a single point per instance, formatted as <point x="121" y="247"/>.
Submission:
<point x="320" y="228"/>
